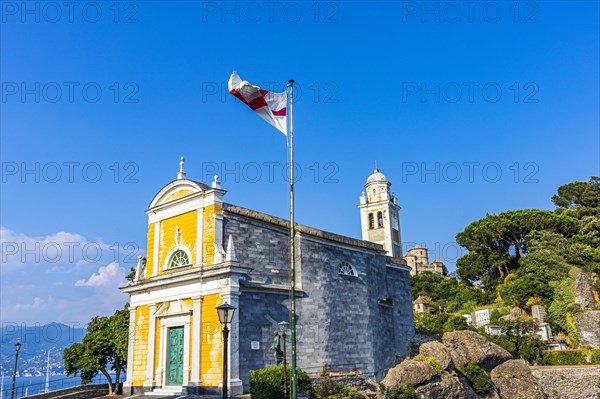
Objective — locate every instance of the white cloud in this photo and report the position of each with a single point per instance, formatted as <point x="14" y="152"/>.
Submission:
<point x="36" y="270"/>
<point x="110" y="275"/>
<point x="19" y="249"/>
<point x="61" y="248"/>
<point x="38" y="303"/>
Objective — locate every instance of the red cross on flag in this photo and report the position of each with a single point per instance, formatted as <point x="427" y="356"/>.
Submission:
<point x="270" y="106"/>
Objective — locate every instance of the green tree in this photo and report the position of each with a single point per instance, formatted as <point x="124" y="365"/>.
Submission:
<point x="578" y="198"/>
<point x="103" y="348"/>
<point x="563" y="295"/>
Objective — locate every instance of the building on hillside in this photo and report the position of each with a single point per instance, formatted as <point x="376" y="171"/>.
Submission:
<point x="481" y="317"/>
<point x="556" y="345"/>
<point x="353" y="304"/>
<point x="544" y="331"/>
<point x="421" y="305"/>
<point x="417" y="259"/>
<point x="493" y="330"/>
<point x="538" y="312"/>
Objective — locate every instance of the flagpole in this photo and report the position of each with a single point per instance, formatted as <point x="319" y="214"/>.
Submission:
<point x="292" y="252"/>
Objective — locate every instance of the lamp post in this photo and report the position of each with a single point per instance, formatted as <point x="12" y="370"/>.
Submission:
<point x="283" y="328"/>
<point x="17" y="348"/>
<point x="225" y="313"/>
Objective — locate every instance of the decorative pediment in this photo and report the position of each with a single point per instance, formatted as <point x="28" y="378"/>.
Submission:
<point x="177" y="189"/>
<point x="172" y="308"/>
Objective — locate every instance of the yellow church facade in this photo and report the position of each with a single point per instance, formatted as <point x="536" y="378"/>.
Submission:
<point x="175" y="336"/>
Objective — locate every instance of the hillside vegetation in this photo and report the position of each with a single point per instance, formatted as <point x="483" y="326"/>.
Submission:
<point x="521" y="258"/>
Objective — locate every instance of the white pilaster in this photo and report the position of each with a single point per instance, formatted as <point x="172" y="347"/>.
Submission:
<point x="151" y="343"/>
<point x="186" y="351"/>
<point x="196" y="340"/>
<point x="131" y="341"/>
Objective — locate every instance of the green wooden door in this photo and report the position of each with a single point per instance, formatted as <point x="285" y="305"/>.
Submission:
<point x="175" y="356"/>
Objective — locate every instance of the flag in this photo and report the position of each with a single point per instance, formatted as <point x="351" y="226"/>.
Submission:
<point x="270" y="106"/>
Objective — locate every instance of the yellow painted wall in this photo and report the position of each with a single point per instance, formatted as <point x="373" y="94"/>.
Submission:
<point x="187" y="223"/>
<point x="150" y="253"/>
<point x="208" y="244"/>
<point x="178" y="194"/>
<point x="212" y="342"/>
<point x="140" y="345"/>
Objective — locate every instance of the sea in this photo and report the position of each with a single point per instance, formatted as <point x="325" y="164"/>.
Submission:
<point x="27" y="386"/>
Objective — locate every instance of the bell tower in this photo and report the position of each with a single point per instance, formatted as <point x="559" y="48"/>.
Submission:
<point x="380" y="214"/>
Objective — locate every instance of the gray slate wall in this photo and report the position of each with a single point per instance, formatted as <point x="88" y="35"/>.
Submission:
<point x="339" y="319"/>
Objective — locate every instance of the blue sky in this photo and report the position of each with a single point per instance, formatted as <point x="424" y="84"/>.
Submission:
<point x="466" y="111"/>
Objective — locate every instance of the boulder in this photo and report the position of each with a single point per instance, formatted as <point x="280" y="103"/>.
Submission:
<point x="438" y="352"/>
<point x="449" y="387"/>
<point x="468" y="346"/>
<point x="513" y="380"/>
<point x="409" y="372"/>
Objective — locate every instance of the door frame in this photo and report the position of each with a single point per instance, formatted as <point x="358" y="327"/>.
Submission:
<point x="165" y="323"/>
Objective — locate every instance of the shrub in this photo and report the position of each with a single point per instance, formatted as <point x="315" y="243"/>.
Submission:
<point x="530" y="348"/>
<point x="571" y="357"/>
<point x="404" y="392"/>
<point x="329" y="389"/>
<point x="572" y="330"/>
<point x="479" y="380"/>
<point x="267" y="383"/>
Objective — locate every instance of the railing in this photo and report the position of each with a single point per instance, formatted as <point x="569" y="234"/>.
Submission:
<point x="23" y="389"/>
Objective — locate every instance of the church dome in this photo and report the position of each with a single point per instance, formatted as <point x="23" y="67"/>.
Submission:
<point x="377" y="177"/>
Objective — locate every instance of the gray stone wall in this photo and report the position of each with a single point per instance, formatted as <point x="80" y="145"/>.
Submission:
<point x="259" y="314"/>
<point x="261" y="246"/>
<point x="564" y="382"/>
<point x="339" y="318"/>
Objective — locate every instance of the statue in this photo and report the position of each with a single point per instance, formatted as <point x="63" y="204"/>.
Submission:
<point x="276" y="347"/>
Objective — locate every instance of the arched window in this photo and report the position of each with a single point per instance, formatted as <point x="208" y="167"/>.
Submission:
<point x="371" y="221"/>
<point x="379" y="219"/>
<point x="346" y="269"/>
<point x="374" y="194"/>
<point x="180" y="258"/>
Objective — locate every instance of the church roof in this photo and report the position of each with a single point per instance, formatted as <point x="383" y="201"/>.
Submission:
<point x="377" y="177"/>
<point x="305" y="229"/>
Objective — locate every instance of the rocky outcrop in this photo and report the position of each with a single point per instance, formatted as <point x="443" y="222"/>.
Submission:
<point x="449" y="386"/>
<point x="468" y="346"/>
<point x="435" y="371"/>
<point x="588" y="320"/>
<point x="513" y="379"/>
<point x="588" y="328"/>
<point x="409" y="372"/>
<point x="438" y="352"/>
<point x="584" y="295"/>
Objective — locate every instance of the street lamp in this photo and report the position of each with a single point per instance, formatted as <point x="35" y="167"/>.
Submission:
<point x="283" y="328"/>
<point x="17" y="348"/>
<point x="225" y="313"/>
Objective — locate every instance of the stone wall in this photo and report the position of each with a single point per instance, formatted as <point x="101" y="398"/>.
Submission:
<point x="78" y="392"/>
<point x="342" y="320"/>
<point x="569" y="382"/>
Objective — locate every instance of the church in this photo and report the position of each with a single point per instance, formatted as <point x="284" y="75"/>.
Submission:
<point x="353" y="304"/>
